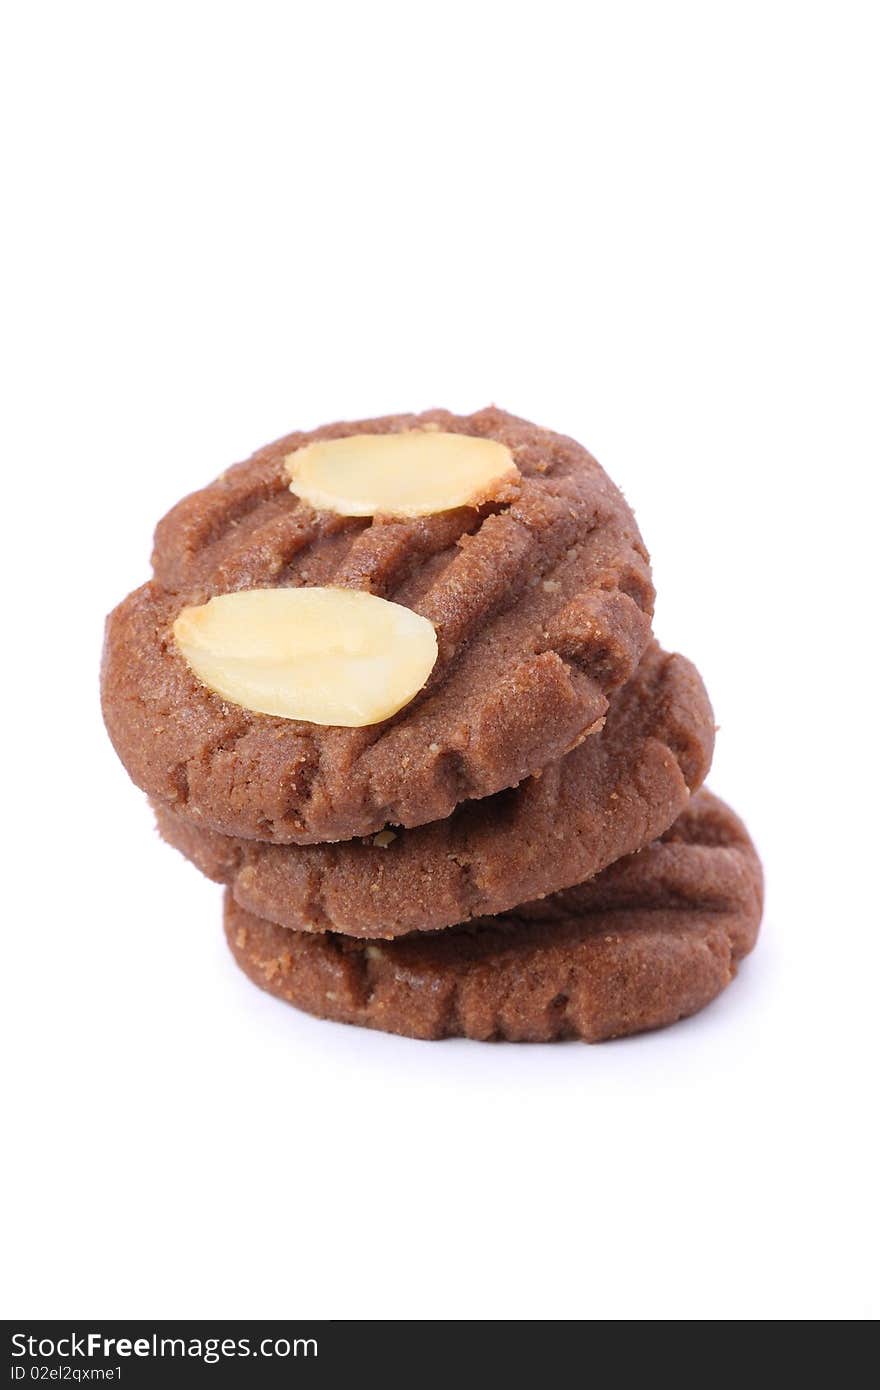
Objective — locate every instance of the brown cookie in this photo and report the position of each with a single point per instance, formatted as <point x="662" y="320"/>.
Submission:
<point x="616" y="792"/>
<point x="653" y="939"/>
<point x="541" y="602"/>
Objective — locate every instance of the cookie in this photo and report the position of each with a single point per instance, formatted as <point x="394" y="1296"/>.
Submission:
<point x="651" y="940"/>
<point x="539" y="594"/>
<point x="620" y="789"/>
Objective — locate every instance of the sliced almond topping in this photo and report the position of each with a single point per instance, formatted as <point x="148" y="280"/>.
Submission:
<point x="413" y="473"/>
<point x="327" y="656"/>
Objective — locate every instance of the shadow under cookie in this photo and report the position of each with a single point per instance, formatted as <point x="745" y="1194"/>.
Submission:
<point x="620" y="789"/>
<point x="653" y="939"/>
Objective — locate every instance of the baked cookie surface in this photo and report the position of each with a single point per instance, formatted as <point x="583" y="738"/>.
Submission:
<point x="653" y="939"/>
<point x="620" y="789"/>
<point x="541" y="601"/>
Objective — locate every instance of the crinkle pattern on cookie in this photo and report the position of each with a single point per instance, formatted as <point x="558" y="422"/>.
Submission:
<point x="653" y="939"/>
<point x="619" y="790"/>
<point x="540" y="597"/>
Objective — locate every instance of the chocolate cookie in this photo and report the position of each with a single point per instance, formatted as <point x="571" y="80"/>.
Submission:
<point x="617" y="791"/>
<point x="651" y="940"/>
<point x="540" y="596"/>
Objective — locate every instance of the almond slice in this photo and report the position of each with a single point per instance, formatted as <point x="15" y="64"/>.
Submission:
<point x="413" y="473"/>
<point x="327" y="656"/>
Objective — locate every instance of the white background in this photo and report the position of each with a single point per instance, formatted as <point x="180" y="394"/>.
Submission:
<point x="651" y="226"/>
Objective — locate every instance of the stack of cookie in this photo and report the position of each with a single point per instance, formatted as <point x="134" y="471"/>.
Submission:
<point x="393" y="683"/>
